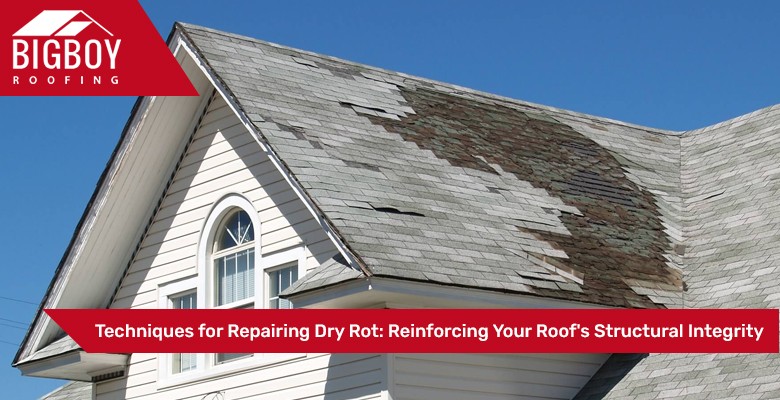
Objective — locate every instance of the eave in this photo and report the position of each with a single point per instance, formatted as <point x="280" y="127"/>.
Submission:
<point x="77" y="365"/>
<point x="388" y="292"/>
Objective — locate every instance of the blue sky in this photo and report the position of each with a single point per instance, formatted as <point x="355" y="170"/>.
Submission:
<point x="667" y="64"/>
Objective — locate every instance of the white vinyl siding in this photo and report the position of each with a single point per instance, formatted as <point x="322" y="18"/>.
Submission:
<point x="224" y="158"/>
<point x="316" y="376"/>
<point x="491" y="376"/>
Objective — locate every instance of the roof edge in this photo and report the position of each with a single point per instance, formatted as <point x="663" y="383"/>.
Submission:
<point x="744" y="118"/>
<point x="338" y="239"/>
<point x="77" y="232"/>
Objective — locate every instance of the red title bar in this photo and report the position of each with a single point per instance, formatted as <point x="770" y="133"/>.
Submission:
<point x="422" y="331"/>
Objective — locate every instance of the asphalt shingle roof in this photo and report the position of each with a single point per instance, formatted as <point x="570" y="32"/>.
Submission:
<point x="731" y="190"/>
<point x="71" y="391"/>
<point x="433" y="182"/>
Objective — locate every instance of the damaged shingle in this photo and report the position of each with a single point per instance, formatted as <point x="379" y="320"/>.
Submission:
<point x="393" y="210"/>
<point x="306" y="62"/>
<point x="297" y="131"/>
<point x="358" y="164"/>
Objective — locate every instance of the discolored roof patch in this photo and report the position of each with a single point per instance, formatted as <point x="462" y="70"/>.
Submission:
<point x="618" y="234"/>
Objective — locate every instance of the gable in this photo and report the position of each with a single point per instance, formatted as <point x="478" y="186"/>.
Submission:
<point x="221" y="158"/>
<point x="119" y="209"/>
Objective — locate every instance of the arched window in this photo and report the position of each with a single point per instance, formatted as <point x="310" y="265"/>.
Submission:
<point x="229" y="256"/>
<point x="233" y="260"/>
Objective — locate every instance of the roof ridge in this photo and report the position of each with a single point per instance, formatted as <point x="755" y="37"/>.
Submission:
<point x="751" y="116"/>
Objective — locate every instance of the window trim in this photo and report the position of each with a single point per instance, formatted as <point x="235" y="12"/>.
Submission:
<point x="276" y="261"/>
<point x="206" y="271"/>
<point x="216" y="216"/>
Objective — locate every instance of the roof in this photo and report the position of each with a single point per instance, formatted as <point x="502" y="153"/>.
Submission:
<point x="71" y="391"/>
<point x="329" y="273"/>
<point x="731" y="189"/>
<point x="431" y="182"/>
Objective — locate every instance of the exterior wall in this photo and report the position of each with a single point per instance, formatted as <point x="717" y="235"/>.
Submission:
<point x="224" y="158"/>
<point x="491" y="376"/>
<point x="326" y="377"/>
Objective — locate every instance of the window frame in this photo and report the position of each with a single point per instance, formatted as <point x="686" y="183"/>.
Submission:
<point x="224" y="253"/>
<point x="217" y="215"/>
<point x="277" y="261"/>
<point x="166" y="293"/>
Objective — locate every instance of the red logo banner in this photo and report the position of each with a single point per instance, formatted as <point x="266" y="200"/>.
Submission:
<point x="422" y="331"/>
<point x="85" y="48"/>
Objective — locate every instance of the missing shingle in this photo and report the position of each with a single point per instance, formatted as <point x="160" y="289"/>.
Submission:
<point x="358" y="164"/>
<point x="551" y="264"/>
<point x="492" y="189"/>
<point x="359" y="106"/>
<point x="296" y="131"/>
<point x="393" y="210"/>
<point x="315" y="144"/>
<point x="342" y="71"/>
<point x="550" y="211"/>
<point x="555" y="265"/>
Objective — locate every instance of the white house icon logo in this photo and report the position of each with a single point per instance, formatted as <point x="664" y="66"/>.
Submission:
<point x="58" y="23"/>
<point x="59" y="44"/>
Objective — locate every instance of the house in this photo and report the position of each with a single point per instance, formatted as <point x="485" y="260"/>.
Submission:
<point x="297" y="179"/>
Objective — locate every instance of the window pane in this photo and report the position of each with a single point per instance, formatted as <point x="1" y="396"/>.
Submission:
<point x="220" y="283"/>
<point x="280" y="280"/>
<point x="184" y="301"/>
<point x="186" y="361"/>
<point x="226" y="357"/>
<point x="250" y="281"/>
<point x="235" y="275"/>
<point x="242" y="264"/>
<point x="274" y="284"/>
<point x="245" y="228"/>
<point x="230" y="278"/>
<point x="236" y="230"/>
